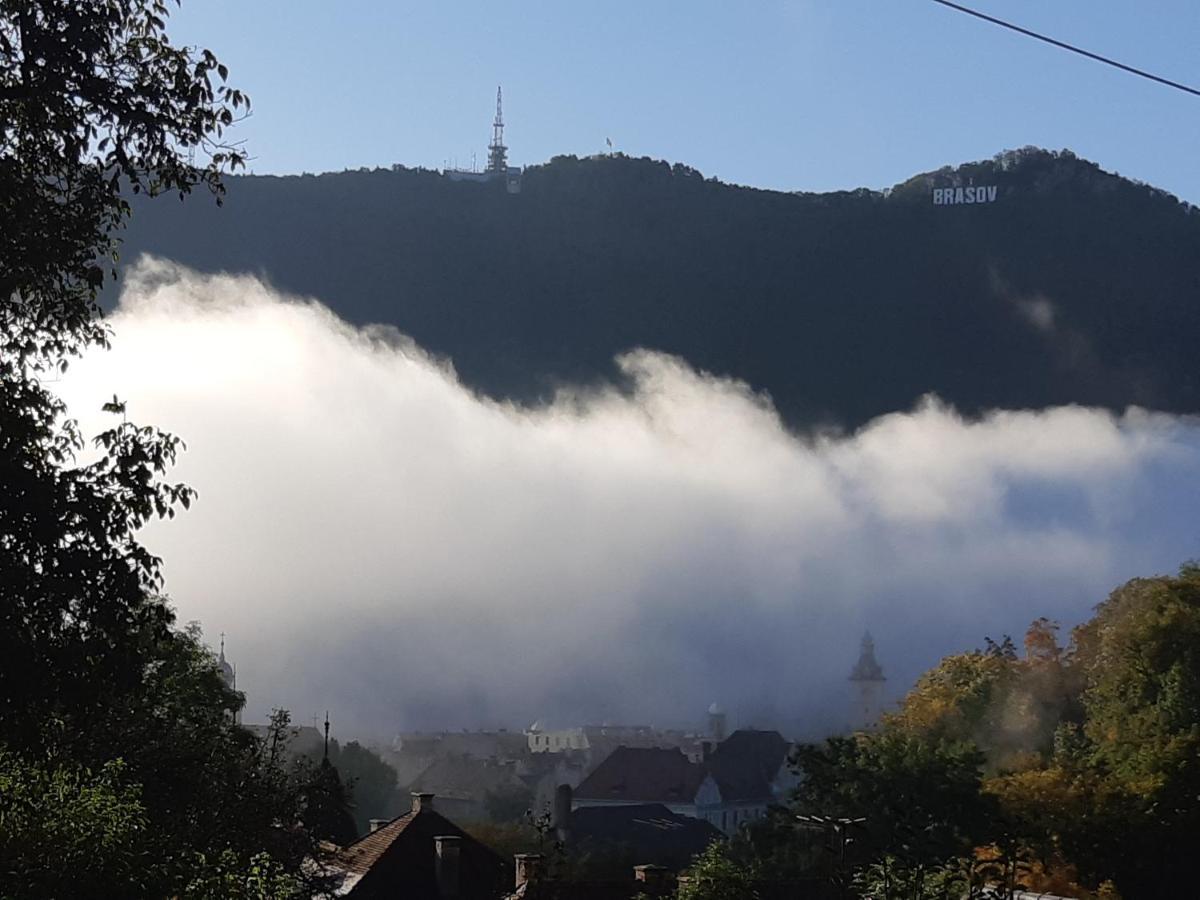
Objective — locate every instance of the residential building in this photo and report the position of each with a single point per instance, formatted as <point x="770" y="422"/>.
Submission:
<point x="751" y="768"/>
<point x="420" y="855"/>
<point x="646" y="833"/>
<point x="465" y="786"/>
<point x="731" y="785"/>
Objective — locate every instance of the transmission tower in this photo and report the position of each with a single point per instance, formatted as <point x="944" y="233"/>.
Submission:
<point x="497" y="152"/>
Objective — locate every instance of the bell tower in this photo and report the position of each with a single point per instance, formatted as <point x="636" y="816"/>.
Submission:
<point x="868" y="680"/>
<point x="228" y="675"/>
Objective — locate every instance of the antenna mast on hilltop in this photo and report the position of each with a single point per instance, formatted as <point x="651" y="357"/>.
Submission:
<point x="497" y="152"/>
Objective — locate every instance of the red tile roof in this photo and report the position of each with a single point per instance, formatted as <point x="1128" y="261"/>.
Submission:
<point x="360" y="856"/>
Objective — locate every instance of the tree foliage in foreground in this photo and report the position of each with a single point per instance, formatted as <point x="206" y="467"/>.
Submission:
<point x="122" y="773"/>
<point x="61" y="826"/>
<point x="368" y="782"/>
<point x="717" y="875"/>
<point x="924" y="797"/>
<point x="1073" y="769"/>
<point x="95" y="103"/>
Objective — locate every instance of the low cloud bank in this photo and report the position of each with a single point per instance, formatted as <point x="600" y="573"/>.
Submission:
<point x="378" y="541"/>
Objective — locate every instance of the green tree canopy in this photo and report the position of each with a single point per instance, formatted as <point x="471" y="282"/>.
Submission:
<point x="920" y="799"/>
<point x="370" y="781"/>
<point x="1066" y="768"/>
<point x="95" y="101"/>
<point x="1139" y="658"/>
<point x="63" y="826"/>
<point x="121" y="766"/>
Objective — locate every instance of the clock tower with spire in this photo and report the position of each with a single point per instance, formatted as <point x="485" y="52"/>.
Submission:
<point x="868" y="679"/>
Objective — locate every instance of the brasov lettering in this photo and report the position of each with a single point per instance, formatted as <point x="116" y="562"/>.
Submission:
<point x="956" y="195"/>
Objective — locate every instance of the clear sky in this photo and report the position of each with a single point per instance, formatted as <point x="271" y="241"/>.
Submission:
<point x="787" y="94"/>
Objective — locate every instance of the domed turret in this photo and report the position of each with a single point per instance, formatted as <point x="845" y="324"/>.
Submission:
<point x="226" y="669"/>
<point x="716" y="722"/>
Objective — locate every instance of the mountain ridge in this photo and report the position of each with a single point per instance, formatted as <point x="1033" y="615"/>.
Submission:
<point x="1069" y="285"/>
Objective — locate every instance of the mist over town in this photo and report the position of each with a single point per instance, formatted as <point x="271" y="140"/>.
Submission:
<point x="611" y="556"/>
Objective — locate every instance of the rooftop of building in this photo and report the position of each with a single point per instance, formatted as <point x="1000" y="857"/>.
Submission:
<point x="643" y="775"/>
<point x="746" y="762"/>
<point x="399" y="859"/>
<point x="650" y="831"/>
<point x="465" y="777"/>
<point x="743" y="766"/>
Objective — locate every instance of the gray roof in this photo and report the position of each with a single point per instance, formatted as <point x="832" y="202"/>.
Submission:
<point x="643" y="775"/>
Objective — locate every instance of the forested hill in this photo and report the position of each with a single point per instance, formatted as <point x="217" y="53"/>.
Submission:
<point x="1071" y="285"/>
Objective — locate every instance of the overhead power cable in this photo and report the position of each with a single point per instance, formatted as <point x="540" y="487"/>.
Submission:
<point x="1073" y="49"/>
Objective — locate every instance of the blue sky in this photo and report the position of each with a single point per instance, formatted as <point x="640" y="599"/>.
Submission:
<point x="797" y="95"/>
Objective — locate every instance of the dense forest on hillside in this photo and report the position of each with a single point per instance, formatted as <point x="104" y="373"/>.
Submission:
<point x="1074" y="285"/>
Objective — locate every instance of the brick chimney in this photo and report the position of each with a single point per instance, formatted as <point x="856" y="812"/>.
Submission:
<point x="529" y="867"/>
<point x="422" y="801"/>
<point x="447" y="848"/>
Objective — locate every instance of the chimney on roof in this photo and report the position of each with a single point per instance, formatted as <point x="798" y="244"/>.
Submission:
<point x="447" y="848"/>
<point x="529" y="867"/>
<point x="376" y="824"/>
<point x="562" y="812"/>
<point x="422" y="800"/>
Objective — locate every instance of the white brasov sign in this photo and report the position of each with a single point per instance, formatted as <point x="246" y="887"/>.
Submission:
<point x="956" y="195"/>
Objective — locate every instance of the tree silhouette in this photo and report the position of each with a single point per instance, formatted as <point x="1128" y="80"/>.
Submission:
<point x="101" y="696"/>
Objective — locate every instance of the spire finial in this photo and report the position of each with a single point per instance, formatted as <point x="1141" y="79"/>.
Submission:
<point x="222" y="646"/>
<point x="326" y="735"/>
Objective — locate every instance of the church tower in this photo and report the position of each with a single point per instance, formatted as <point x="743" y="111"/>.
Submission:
<point x="867" y="676"/>
<point x="228" y="675"/>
